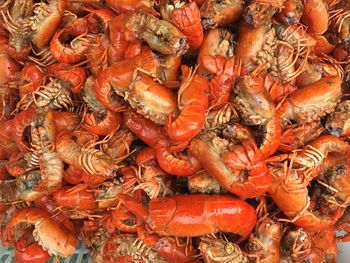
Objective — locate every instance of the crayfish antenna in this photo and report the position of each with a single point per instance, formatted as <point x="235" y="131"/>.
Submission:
<point x="261" y="209"/>
<point x="130" y="181"/>
<point x="187" y="74"/>
<point x="133" y="206"/>
<point x="6" y="3"/>
<point x="335" y="63"/>
<point x="260" y="69"/>
<point x="77" y="188"/>
<point x="8" y="23"/>
<point x="337" y="15"/>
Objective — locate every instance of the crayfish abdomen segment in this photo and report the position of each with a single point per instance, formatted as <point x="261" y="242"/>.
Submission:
<point x="46" y="20"/>
<point x="305" y="108"/>
<point x="151" y="99"/>
<point x="196" y="215"/>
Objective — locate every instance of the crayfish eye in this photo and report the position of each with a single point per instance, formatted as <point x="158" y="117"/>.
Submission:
<point x="182" y="41"/>
<point x="208" y="22"/>
<point x="339" y="170"/>
<point x="291" y="20"/>
<point x="249" y="17"/>
<point x="302" y="236"/>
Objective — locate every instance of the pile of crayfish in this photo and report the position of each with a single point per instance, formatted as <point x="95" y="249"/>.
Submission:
<point x="175" y="130"/>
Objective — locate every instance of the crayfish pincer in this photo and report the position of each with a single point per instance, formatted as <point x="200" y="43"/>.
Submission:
<point x="52" y="236"/>
<point x="194" y="215"/>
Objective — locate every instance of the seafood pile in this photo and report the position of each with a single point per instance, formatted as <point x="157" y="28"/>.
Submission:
<point x="174" y="130"/>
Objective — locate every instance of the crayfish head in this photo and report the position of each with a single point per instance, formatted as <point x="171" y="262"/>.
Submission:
<point x="338" y="123"/>
<point x="266" y="240"/>
<point x="168" y="6"/>
<point x="258" y="12"/>
<point x="161" y="35"/>
<point x="215" y="249"/>
<point x="296" y="243"/>
<point x="216" y="13"/>
<point x="26" y="184"/>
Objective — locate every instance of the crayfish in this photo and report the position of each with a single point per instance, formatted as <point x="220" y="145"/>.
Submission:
<point x="182" y="131"/>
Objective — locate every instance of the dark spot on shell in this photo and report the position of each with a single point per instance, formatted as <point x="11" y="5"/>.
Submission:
<point x="339" y="170"/>
<point x="334" y="130"/>
<point x="291" y="20"/>
<point x="207" y="22"/>
<point x="249" y="17"/>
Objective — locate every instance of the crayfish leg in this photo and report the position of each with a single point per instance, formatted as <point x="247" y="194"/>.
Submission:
<point x="134" y="206"/>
